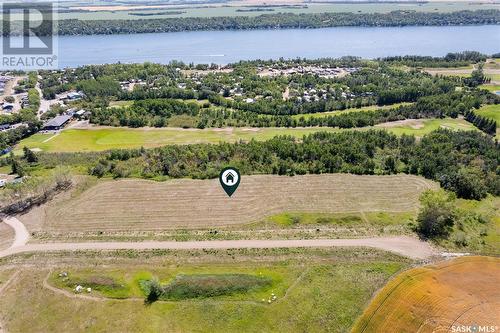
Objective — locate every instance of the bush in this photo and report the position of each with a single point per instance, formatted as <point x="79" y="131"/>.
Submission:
<point x="152" y="289"/>
<point x="437" y="215"/>
<point x="460" y="239"/>
<point x="100" y="169"/>
<point x="295" y="219"/>
<point x="467" y="183"/>
<point x="119" y="171"/>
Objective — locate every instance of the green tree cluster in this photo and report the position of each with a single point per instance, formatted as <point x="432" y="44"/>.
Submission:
<point x="437" y="215"/>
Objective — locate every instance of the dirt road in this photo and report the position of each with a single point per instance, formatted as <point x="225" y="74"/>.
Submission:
<point x="21" y="233"/>
<point x="403" y="245"/>
<point x="44" y="103"/>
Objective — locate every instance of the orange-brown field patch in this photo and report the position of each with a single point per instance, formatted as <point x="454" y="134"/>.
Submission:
<point x="440" y="298"/>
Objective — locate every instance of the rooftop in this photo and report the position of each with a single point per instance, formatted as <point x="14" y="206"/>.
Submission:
<point x="58" y="121"/>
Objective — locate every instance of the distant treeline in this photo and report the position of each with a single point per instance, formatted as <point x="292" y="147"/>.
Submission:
<point x="463" y="162"/>
<point x="11" y="137"/>
<point x="438" y="106"/>
<point x="487" y="125"/>
<point x="148" y="112"/>
<point x="275" y="21"/>
<point x="170" y="12"/>
<point x="255" y="10"/>
<point x="156" y="112"/>
<point x="450" y="60"/>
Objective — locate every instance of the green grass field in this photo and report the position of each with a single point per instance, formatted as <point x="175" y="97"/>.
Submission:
<point x="5" y="169"/>
<point x="128" y="284"/>
<point x="490" y="87"/>
<point x="110" y="138"/>
<point x="119" y="104"/>
<point x="336" y="113"/>
<point x="72" y="140"/>
<point x="493" y="77"/>
<point x="313" y="289"/>
<point x="425" y="126"/>
<point x="127" y="103"/>
<point x="490" y="111"/>
<point x="348" y="220"/>
<point x="472" y="235"/>
<point x="464" y="71"/>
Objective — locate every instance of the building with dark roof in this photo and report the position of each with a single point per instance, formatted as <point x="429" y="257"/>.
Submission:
<point x="56" y="123"/>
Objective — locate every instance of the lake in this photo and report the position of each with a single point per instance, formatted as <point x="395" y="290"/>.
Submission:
<point x="223" y="47"/>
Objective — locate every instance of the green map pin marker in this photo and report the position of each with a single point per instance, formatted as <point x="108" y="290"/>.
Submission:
<point x="229" y="179"/>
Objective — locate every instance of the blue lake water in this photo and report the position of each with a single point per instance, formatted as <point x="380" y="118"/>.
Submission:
<point x="230" y="46"/>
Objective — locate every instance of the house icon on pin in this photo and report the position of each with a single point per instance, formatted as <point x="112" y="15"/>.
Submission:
<point x="229" y="178"/>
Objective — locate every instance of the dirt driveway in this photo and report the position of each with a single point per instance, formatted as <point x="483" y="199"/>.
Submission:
<point x="403" y="245"/>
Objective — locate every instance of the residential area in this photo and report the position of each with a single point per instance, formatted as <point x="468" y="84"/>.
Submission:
<point x="325" y="72"/>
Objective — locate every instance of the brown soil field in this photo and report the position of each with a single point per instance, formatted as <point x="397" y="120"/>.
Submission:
<point x="126" y="205"/>
<point x="413" y="123"/>
<point x="440" y="298"/>
<point x="460" y="71"/>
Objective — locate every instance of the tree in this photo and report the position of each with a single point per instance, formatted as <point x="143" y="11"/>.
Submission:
<point x="390" y="165"/>
<point x="29" y="155"/>
<point x="153" y="290"/>
<point x="17" y="167"/>
<point x="437" y="215"/>
<point x="477" y="77"/>
<point x="469" y="183"/>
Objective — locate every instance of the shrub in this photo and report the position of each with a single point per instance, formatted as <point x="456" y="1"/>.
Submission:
<point x="152" y="289"/>
<point x="120" y="172"/>
<point x="467" y="183"/>
<point x="437" y="215"/>
<point x="460" y="239"/>
<point x="100" y="169"/>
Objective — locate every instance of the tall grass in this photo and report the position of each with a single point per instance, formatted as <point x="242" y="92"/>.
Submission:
<point x="203" y="286"/>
